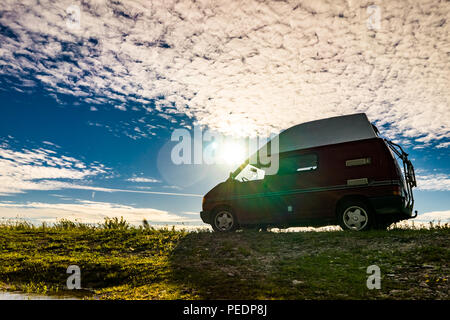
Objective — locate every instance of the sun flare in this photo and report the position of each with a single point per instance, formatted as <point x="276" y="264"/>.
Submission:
<point x="232" y="153"/>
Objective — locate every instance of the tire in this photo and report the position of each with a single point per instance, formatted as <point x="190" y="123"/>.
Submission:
<point x="355" y="215"/>
<point x="224" y="220"/>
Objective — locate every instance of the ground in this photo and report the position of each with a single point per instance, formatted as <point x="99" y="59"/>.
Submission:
<point x="120" y="262"/>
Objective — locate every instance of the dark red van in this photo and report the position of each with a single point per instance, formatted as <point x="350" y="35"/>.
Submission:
<point x="330" y="171"/>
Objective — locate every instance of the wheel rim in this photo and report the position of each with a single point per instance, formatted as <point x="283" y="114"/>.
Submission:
<point x="224" y="221"/>
<point x="355" y="218"/>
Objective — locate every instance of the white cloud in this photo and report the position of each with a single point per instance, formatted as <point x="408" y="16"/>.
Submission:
<point x="40" y="169"/>
<point x="51" y="144"/>
<point x="442" y="216"/>
<point x="172" y="187"/>
<point x="243" y="67"/>
<point x="191" y="213"/>
<point x="143" y="188"/>
<point x="435" y="182"/>
<point x="443" y="145"/>
<point x="122" y="108"/>
<point x="140" y="179"/>
<point x="87" y="211"/>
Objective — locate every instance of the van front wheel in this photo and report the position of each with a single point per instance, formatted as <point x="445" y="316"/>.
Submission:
<point x="224" y="220"/>
<point x="355" y="215"/>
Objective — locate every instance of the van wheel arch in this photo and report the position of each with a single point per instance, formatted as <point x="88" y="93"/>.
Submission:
<point x="350" y="198"/>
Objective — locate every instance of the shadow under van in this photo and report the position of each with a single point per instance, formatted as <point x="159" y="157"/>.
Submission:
<point x="331" y="171"/>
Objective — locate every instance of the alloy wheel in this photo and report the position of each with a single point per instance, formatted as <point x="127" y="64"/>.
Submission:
<point x="224" y="221"/>
<point x="355" y="218"/>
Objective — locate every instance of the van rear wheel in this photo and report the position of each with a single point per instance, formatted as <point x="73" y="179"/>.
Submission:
<point x="224" y="220"/>
<point x="355" y="215"/>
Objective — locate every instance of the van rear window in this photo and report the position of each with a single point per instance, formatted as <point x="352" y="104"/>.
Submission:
<point x="296" y="164"/>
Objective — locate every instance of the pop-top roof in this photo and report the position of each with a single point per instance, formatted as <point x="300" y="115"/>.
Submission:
<point x="322" y="132"/>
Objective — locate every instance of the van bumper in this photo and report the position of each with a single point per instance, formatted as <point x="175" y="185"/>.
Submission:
<point x="206" y="216"/>
<point x="391" y="205"/>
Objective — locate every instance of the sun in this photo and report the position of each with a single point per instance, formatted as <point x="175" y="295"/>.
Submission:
<point x="232" y="153"/>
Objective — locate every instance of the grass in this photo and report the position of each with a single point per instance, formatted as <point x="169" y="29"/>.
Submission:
<point x="118" y="261"/>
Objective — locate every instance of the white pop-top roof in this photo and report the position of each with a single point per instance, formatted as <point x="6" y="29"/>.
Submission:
<point x="322" y="132"/>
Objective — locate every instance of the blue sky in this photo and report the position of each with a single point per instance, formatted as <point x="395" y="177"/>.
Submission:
<point x="89" y="102"/>
<point x="123" y="162"/>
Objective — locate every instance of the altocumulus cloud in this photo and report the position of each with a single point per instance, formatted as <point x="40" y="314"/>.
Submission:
<point x="41" y="169"/>
<point x="434" y="182"/>
<point x="242" y="67"/>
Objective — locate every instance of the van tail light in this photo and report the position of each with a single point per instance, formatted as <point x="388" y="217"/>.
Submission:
<point x="397" y="191"/>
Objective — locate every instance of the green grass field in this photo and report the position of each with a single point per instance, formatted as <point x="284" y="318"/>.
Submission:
<point x="121" y="262"/>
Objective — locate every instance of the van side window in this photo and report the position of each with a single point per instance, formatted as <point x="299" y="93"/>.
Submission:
<point x="296" y="164"/>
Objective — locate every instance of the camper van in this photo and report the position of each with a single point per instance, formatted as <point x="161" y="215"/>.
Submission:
<point x="331" y="171"/>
